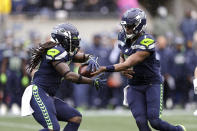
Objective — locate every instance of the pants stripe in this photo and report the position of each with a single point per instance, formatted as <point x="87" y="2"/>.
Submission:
<point x="161" y="100"/>
<point x="42" y="107"/>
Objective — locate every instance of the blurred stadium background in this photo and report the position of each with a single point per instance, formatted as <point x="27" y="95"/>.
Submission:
<point x="26" y="23"/>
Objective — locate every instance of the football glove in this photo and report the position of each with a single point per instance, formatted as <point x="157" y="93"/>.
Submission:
<point x="99" y="82"/>
<point x="92" y="64"/>
<point x="3" y="78"/>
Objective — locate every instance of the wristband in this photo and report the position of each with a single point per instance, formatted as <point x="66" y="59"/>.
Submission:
<point x="110" y="68"/>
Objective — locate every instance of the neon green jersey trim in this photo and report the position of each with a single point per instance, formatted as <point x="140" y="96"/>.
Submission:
<point x="53" y="52"/>
<point x="147" y="41"/>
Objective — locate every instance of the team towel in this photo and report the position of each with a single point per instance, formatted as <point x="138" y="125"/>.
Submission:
<point x="125" y="102"/>
<point x="26" y="98"/>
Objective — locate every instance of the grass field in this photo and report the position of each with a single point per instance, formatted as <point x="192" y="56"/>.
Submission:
<point x="101" y="121"/>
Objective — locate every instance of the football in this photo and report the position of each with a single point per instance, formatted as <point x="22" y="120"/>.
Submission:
<point x="84" y="72"/>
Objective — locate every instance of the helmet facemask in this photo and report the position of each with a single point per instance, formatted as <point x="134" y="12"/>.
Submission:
<point x="74" y="44"/>
<point x="128" y="29"/>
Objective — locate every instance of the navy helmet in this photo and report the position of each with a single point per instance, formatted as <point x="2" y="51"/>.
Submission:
<point x="67" y="36"/>
<point x="134" y="19"/>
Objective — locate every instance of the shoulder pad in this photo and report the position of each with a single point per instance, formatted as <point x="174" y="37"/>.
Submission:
<point x="147" y="41"/>
<point x="56" y="53"/>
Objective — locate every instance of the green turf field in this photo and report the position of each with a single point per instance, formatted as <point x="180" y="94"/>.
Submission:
<point x="101" y="121"/>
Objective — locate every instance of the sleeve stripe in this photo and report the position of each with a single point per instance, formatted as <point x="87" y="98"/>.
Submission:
<point x="151" y="46"/>
<point x="48" y="57"/>
<point x="138" y="47"/>
<point x="61" y="55"/>
<point x="143" y="47"/>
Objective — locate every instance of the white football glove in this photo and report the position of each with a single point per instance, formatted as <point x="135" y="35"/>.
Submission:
<point x="195" y="85"/>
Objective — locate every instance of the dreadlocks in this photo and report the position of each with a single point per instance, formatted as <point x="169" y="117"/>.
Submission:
<point x="37" y="53"/>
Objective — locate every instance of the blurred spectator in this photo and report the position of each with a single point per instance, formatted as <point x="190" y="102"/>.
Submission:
<point x="191" y="63"/>
<point x="18" y="6"/>
<point x="32" y="7"/>
<point x="97" y="48"/>
<point x="164" y="24"/>
<point x="13" y="74"/>
<point x="164" y="55"/>
<point x="188" y="26"/>
<point x="108" y="6"/>
<point x="178" y="68"/>
<point x="115" y="81"/>
<point x="92" y="5"/>
<point x="8" y="37"/>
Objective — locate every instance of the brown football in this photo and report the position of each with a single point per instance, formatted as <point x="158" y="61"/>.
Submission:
<point x="83" y="71"/>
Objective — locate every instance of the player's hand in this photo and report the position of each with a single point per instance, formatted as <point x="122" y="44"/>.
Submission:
<point x="92" y="64"/>
<point x="98" y="71"/>
<point x="99" y="82"/>
<point x="128" y="73"/>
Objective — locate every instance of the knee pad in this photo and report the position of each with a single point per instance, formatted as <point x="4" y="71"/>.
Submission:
<point x="155" y="123"/>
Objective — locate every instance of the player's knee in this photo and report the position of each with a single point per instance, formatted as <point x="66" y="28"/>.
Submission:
<point x="155" y="123"/>
<point x="76" y="119"/>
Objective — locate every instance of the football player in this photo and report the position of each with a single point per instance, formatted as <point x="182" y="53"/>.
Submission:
<point x="144" y="93"/>
<point x="51" y="60"/>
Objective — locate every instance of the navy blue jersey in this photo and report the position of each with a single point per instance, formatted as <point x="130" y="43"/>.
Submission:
<point x="46" y="76"/>
<point x="148" y="71"/>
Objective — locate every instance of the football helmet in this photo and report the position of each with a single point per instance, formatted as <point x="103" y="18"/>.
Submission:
<point x="133" y="22"/>
<point x="67" y="36"/>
